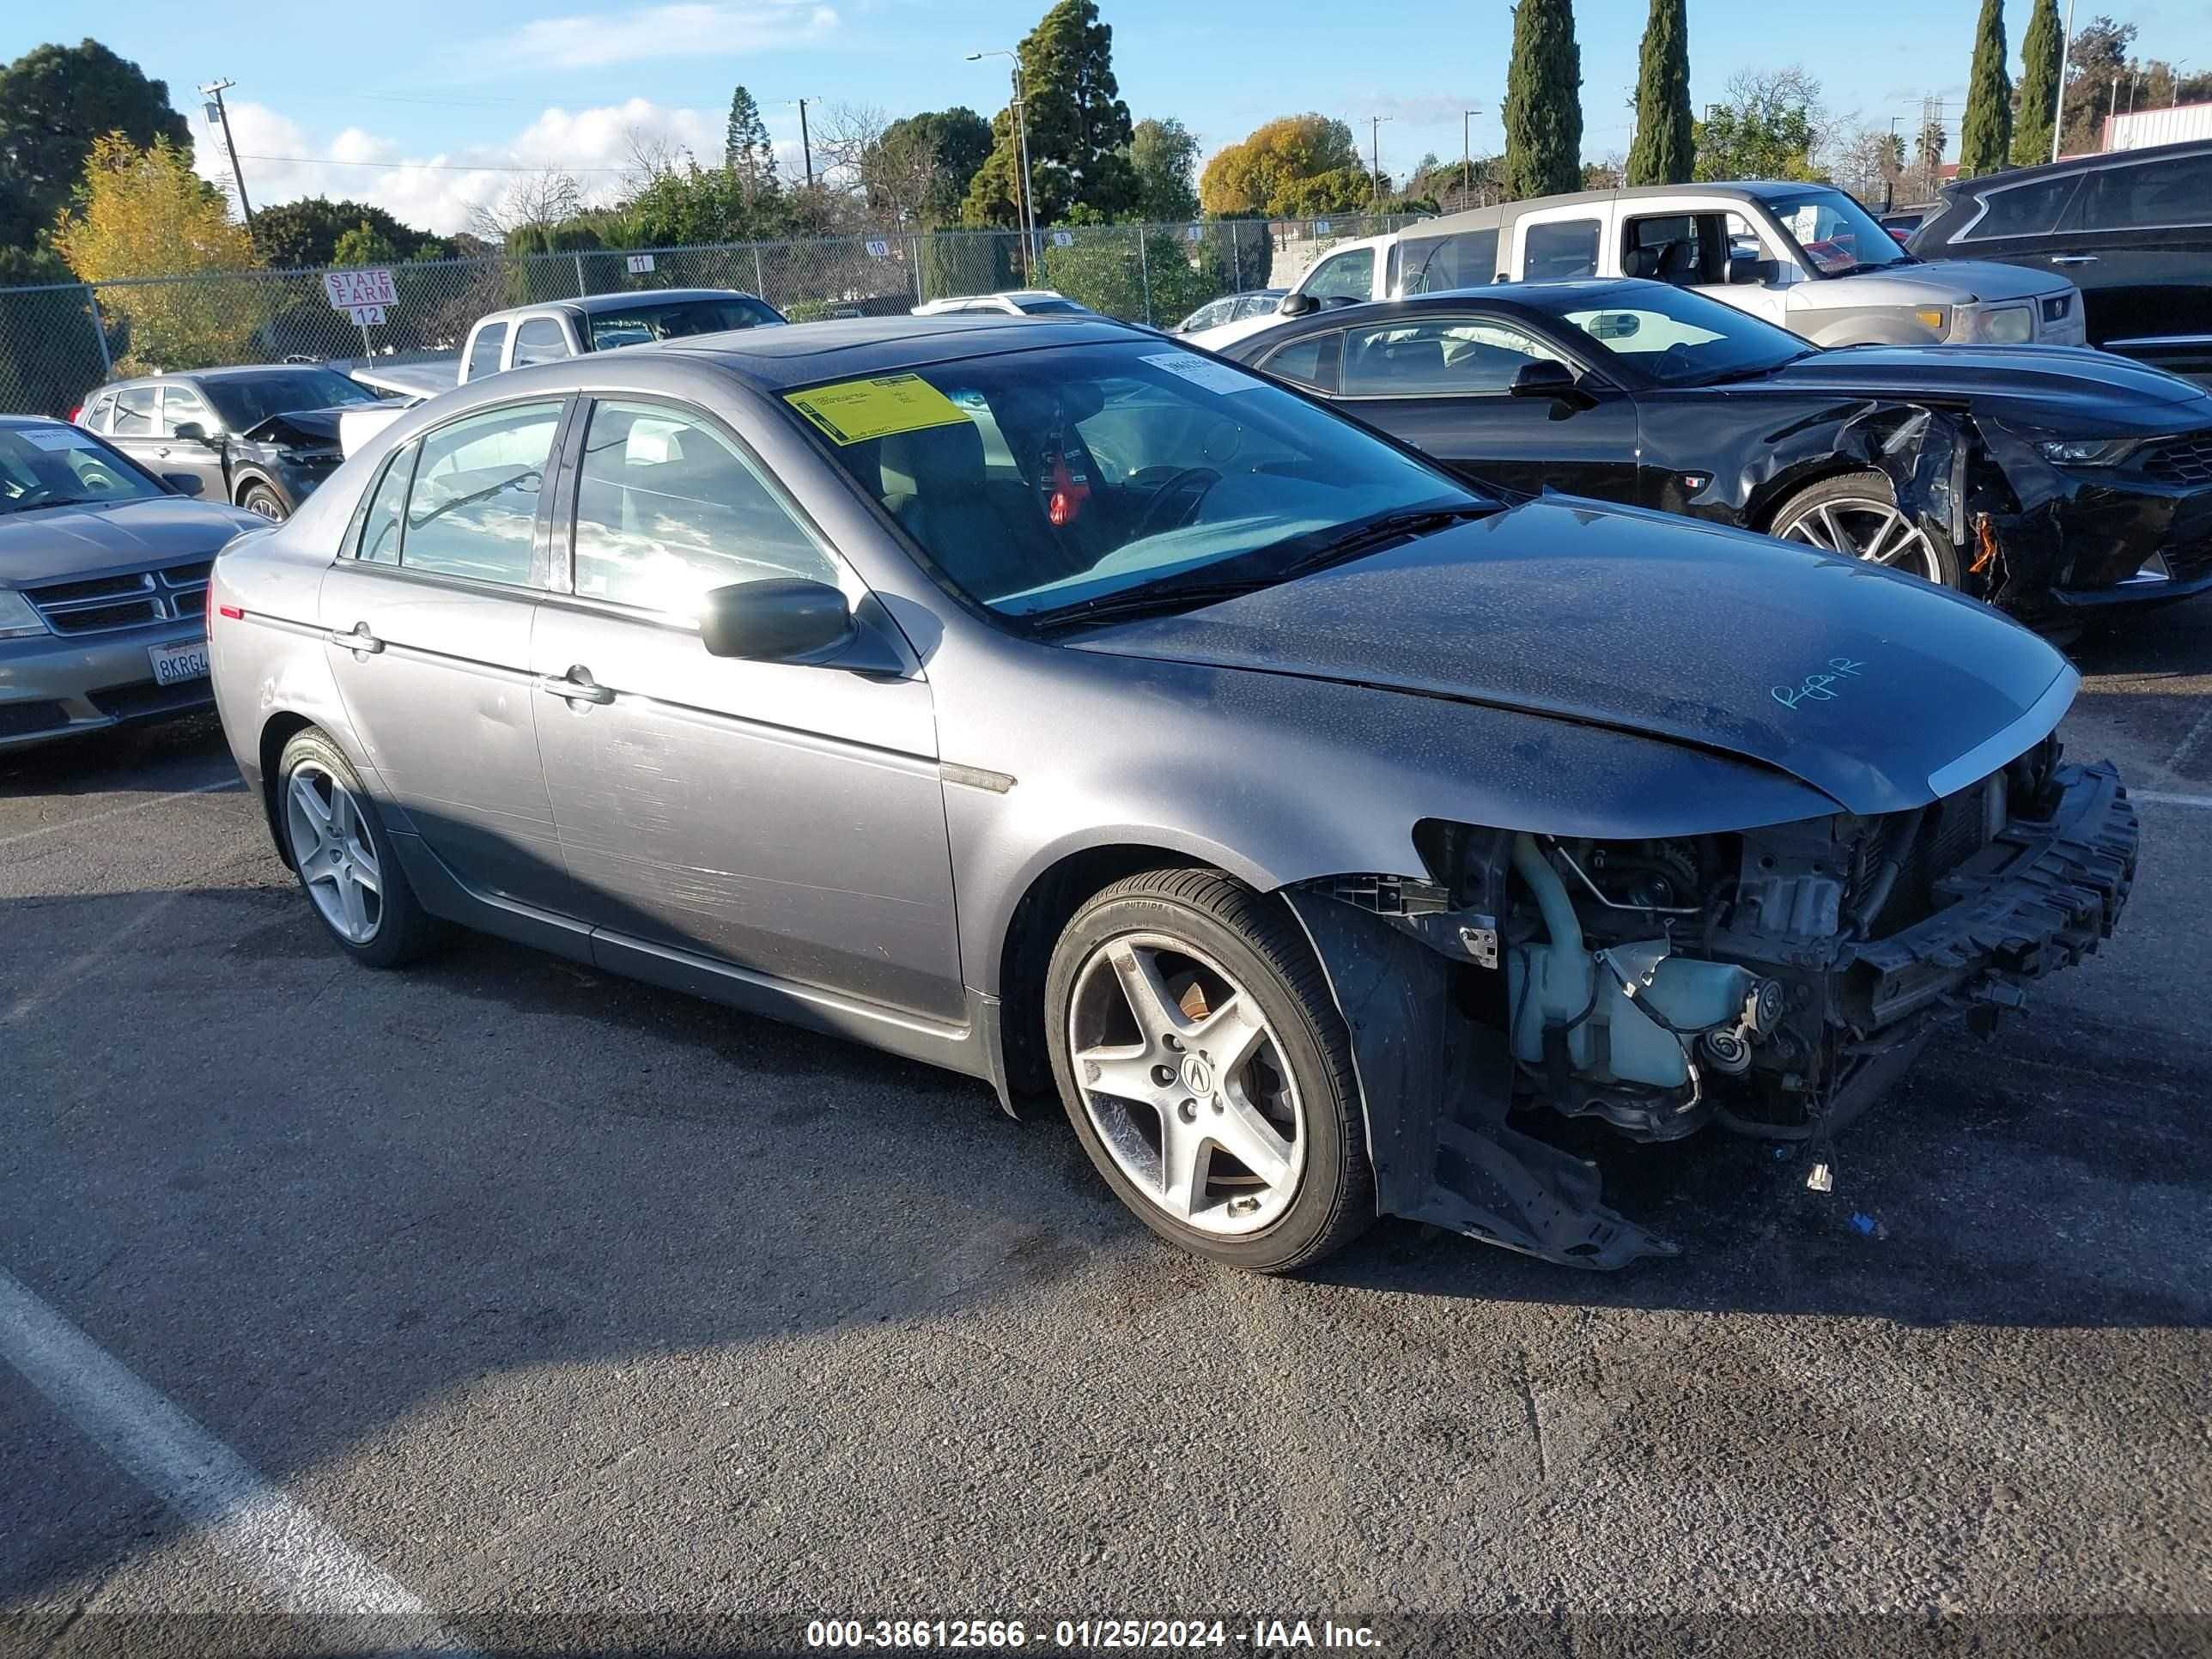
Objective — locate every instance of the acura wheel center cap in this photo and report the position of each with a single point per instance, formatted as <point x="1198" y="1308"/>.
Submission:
<point x="1197" y="1075"/>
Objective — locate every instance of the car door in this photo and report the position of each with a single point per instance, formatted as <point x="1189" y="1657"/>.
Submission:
<point x="135" y="428"/>
<point x="2138" y="240"/>
<point x="428" y="620"/>
<point x="1444" y="382"/>
<point x="199" y="452"/>
<point x="783" y="818"/>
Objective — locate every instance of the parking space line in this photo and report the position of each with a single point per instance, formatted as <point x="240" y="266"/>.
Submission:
<point x="317" y="1573"/>
<point x="2157" y="799"/>
<point x="121" y="811"/>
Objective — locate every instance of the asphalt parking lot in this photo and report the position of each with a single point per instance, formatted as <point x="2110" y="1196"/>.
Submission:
<point x="578" y="1315"/>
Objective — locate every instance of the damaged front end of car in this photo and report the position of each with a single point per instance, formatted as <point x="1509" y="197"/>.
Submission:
<point x="1770" y="981"/>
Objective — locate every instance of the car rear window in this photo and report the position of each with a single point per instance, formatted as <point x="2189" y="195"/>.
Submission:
<point x="1434" y="264"/>
<point x="644" y="322"/>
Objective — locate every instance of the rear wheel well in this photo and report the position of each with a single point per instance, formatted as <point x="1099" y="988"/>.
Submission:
<point x="280" y="731"/>
<point x="1039" y="919"/>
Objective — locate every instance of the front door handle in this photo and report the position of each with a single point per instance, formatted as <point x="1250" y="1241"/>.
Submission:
<point x="2072" y="258"/>
<point x="360" y="640"/>
<point x="577" y="685"/>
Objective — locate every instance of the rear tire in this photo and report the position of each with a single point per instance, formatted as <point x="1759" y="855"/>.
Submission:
<point x="1236" y="1131"/>
<point x="338" y="846"/>
<point x="1857" y="515"/>
<point x="263" y="501"/>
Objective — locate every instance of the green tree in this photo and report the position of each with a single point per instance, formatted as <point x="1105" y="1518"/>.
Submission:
<point x="1543" y="101"/>
<point x="1078" y="127"/>
<point x="1165" y="154"/>
<point x="746" y="151"/>
<point x="365" y="244"/>
<point x="54" y="102"/>
<point x="1985" y="133"/>
<point x="2040" y="49"/>
<point x="1769" y="125"/>
<point x="2097" y="58"/>
<point x="1665" y="151"/>
<point x="292" y="235"/>
<point x="923" y="164"/>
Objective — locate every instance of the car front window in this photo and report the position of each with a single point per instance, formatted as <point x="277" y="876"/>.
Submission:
<point x="1834" y="234"/>
<point x="1041" y="482"/>
<point x="61" y="465"/>
<point x="245" y="401"/>
<point x="1678" y="338"/>
<point x="640" y="324"/>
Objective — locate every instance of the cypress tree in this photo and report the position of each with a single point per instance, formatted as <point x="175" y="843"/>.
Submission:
<point x="746" y="150"/>
<point x="2040" y="49"/>
<point x="1543" y="101"/>
<point x="1665" y="151"/>
<point x="1985" y="134"/>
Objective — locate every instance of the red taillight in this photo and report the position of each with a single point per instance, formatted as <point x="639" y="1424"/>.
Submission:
<point x="78" y="411"/>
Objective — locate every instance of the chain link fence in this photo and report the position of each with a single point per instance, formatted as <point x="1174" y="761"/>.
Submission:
<point x="59" y="341"/>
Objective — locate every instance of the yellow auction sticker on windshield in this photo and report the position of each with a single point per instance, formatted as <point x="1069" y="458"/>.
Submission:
<point x="852" y="412"/>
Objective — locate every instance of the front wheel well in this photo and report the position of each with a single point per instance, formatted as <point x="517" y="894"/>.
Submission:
<point x="1039" y="918"/>
<point x="280" y="730"/>
<point x="1779" y="492"/>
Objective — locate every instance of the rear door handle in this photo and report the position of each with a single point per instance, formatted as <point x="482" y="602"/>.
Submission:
<point x="360" y="640"/>
<point x="577" y="685"/>
<point x="2072" y="258"/>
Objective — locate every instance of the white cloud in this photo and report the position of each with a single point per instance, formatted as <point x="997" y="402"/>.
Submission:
<point x="597" y="40"/>
<point x="437" y="192"/>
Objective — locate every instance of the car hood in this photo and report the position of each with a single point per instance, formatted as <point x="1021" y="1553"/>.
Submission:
<point x="46" y="544"/>
<point x="2065" y="384"/>
<point x="1876" y="689"/>
<point x="300" y="428"/>
<point x="1935" y="281"/>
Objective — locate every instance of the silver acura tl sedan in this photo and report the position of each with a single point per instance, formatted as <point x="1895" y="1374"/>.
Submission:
<point x="1057" y="704"/>
<point x="103" y="585"/>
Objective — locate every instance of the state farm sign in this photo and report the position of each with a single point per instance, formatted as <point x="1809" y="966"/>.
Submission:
<point x="361" y="295"/>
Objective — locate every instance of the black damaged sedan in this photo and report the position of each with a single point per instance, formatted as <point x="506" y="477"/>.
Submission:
<point x="2050" y="481"/>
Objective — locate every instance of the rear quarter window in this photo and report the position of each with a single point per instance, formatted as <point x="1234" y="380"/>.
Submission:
<point x="2031" y="210"/>
<point x="483" y="352"/>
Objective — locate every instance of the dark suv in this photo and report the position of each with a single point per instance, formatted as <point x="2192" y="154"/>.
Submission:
<point x="2132" y="227"/>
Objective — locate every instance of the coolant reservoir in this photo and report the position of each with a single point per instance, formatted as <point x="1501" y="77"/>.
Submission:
<point x="1619" y="1042"/>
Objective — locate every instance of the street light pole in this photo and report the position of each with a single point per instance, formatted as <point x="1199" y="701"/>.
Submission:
<point x="805" y="143"/>
<point x="1375" y="151"/>
<point x="1025" y="207"/>
<point x="1467" y="151"/>
<point x="216" y="90"/>
<point x="2058" y="108"/>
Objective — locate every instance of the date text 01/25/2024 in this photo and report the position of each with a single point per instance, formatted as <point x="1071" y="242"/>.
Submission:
<point x="1260" y="1636"/>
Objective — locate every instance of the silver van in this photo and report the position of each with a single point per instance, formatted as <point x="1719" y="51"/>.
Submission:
<point x="1804" y="256"/>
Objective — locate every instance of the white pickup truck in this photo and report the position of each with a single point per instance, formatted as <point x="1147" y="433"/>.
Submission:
<point x="1803" y="256"/>
<point x="546" y="333"/>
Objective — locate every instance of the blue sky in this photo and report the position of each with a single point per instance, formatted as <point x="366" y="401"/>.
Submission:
<point x="392" y="100"/>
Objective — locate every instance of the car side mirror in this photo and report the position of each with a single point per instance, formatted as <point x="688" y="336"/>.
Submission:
<point x="184" y="484"/>
<point x="1544" y="378"/>
<point x="1747" y="269"/>
<point x="782" y="619"/>
<point x="1297" y="305"/>
<point x="191" y="431"/>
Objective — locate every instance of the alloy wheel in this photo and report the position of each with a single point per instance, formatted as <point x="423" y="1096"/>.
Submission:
<point x="1184" y="1080"/>
<point x="1867" y="527"/>
<point x="333" y="853"/>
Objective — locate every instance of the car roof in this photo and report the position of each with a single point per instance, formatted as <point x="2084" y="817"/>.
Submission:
<point x="1741" y="190"/>
<point x="1957" y="189"/>
<point x="592" y="303"/>
<point x="7" y="420"/>
<point x="772" y="360"/>
<point x="227" y="372"/>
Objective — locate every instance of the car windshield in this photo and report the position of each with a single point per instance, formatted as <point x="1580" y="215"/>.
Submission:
<point x="1678" y="338"/>
<point x="1836" y="235"/>
<point x="1043" y="482"/>
<point x="63" y="466"/>
<point x="641" y="324"/>
<point x="245" y="401"/>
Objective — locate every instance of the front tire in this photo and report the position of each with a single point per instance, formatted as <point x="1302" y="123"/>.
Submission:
<point x="263" y="501"/>
<point x="1207" y="1072"/>
<point x="344" y="861"/>
<point x="1857" y="515"/>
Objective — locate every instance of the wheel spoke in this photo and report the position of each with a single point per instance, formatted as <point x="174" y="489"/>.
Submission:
<point x="319" y="865"/>
<point x="354" y="906"/>
<point x="1873" y="549"/>
<point x="1186" y="1160"/>
<point x="1227" y="1037"/>
<point x="317" y="815"/>
<point x="1122" y="1070"/>
<point x="1838" y="540"/>
<point x="1245" y="1133"/>
<point x="1150" y="1000"/>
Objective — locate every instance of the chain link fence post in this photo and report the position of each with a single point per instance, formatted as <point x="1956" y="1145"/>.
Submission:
<point x="99" y="333"/>
<point x="1145" y="271"/>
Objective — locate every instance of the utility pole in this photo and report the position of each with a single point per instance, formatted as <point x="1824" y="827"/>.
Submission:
<point x="806" y="144"/>
<point x="221" y="114"/>
<point x="1025" y="205"/>
<point x="1375" y="151"/>
<point x="2058" y="108"/>
<point x="1467" y="151"/>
